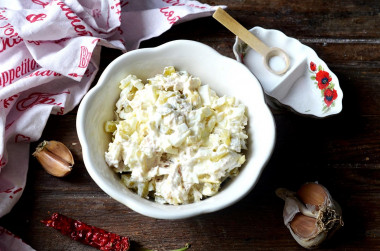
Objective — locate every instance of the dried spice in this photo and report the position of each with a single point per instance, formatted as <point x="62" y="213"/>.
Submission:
<point x="90" y="235"/>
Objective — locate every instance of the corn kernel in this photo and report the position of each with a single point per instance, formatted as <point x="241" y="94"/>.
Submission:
<point x="110" y="126"/>
<point x="241" y="160"/>
<point x="169" y="70"/>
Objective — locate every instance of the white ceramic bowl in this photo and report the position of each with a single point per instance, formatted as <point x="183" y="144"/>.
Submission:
<point x="224" y="75"/>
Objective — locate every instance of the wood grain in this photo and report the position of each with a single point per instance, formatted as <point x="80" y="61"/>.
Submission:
<point x="341" y="152"/>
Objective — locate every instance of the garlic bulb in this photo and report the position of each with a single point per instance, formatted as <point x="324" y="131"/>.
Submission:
<point x="54" y="157"/>
<point x="311" y="214"/>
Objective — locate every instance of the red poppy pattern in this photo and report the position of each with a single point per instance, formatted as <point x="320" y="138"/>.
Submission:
<point x="313" y="66"/>
<point x="330" y="96"/>
<point x="323" y="78"/>
<point x="323" y="81"/>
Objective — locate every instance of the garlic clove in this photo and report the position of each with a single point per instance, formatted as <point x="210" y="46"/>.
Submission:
<point x="310" y="214"/>
<point x="59" y="149"/>
<point x="53" y="165"/>
<point x="54" y="157"/>
<point x="313" y="194"/>
<point x="304" y="226"/>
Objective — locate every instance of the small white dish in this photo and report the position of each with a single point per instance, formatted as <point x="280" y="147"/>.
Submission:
<point x="309" y="87"/>
<point x="223" y="74"/>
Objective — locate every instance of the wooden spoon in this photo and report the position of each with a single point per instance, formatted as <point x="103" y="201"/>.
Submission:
<point x="267" y="52"/>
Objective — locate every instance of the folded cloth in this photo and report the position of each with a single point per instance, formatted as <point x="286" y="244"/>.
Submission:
<point x="11" y="242"/>
<point x="49" y="55"/>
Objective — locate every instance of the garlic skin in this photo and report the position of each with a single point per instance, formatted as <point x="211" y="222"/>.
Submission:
<point x="311" y="215"/>
<point x="54" y="157"/>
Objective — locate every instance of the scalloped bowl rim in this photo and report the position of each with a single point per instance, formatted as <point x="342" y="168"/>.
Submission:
<point x="309" y="53"/>
<point x="90" y="112"/>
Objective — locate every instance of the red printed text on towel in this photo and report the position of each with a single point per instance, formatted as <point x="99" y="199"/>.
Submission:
<point x="170" y="15"/>
<point x="76" y="22"/>
<point x="85" y="57"/>
<point x="35" y="17"/>
<point x="178" y="3"/>
<point x="37" y="98"/>
<point x="7" y="77"/>
<point x="9" y="35"/>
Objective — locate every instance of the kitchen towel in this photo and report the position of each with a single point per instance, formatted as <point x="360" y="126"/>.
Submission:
<point x="49" y="56"/>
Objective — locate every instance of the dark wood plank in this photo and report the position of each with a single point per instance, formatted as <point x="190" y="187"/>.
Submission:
<point x="319" y="20"/>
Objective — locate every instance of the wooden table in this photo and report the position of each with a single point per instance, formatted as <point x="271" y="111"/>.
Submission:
<point x="341" y="152"/>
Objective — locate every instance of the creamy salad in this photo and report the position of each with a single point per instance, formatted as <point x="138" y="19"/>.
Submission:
<point x="174" y="140"/>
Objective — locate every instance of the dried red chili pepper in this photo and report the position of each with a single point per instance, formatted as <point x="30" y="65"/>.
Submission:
<point x="90" y="235"/>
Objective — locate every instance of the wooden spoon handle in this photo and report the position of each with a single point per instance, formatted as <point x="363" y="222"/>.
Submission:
<point x="230" y="23"/>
